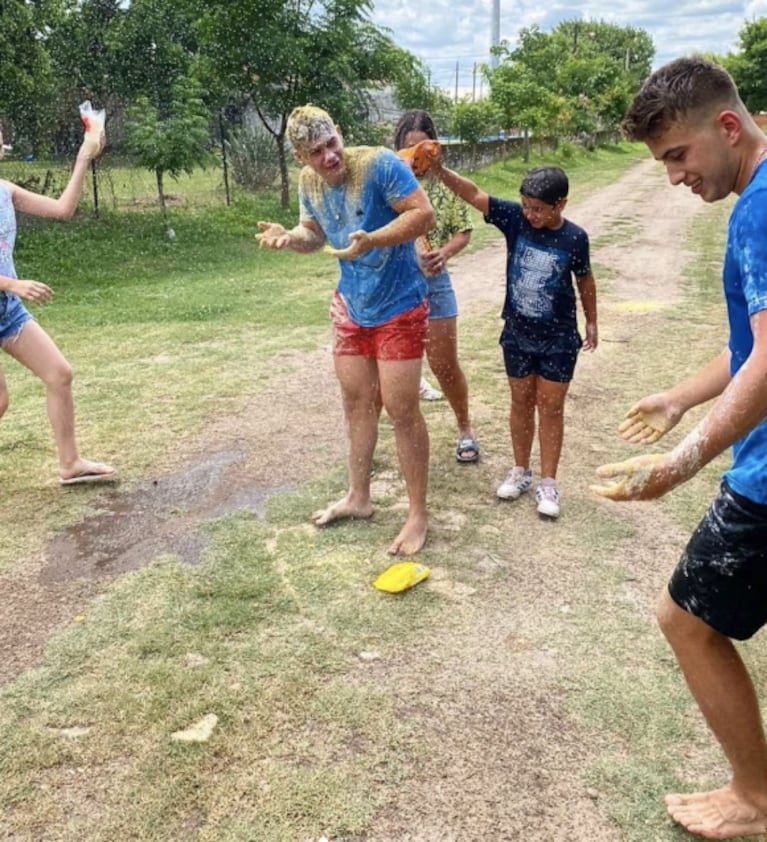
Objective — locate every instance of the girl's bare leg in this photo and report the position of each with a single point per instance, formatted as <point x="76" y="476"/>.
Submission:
<point x="35" y="350"/>
<point x="442" y="353"/>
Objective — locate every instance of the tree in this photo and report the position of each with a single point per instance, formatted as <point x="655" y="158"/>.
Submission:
<point x="172" y="140"/>
<point x="412" y="88"/>
<point x="588" y="69"/>
<point x="523" y="102"/>
<point x="82" y="62"/>
<point x="153" y="46"/>
<point x="473" y="120"/>
<point x="24" y="74"/>
<point x="276" y="55"/>
<point x="748" y="65"/>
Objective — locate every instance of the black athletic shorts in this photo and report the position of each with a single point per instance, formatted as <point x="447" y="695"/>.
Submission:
<point x="552" y="358"/>
<point x="721" y="577"/>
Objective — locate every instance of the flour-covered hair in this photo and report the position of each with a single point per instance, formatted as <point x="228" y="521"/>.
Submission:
<point x="307" y="124"/>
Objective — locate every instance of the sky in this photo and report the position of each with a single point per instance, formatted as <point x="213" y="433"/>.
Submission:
<point x="452" y="37"/>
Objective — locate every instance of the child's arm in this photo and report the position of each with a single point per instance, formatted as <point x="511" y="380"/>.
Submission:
<point x="65" y="206"/>
<point x="587" y="289"/>
<point x="35" y="291"/>
<point x="463" y="187"/>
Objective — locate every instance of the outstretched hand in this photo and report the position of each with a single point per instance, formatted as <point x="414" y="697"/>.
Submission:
<point x="648" y="420"/>
<point x="639" y="478"/>
<point x="360" y="243"/>
<point x="272" y="236"/>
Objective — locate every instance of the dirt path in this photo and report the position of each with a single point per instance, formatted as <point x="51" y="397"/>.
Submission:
<point x="485" y="703"/>
<point x="503" y="759"/>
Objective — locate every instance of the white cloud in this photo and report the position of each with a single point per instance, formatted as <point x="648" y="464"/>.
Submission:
<point x="452" y="36"/>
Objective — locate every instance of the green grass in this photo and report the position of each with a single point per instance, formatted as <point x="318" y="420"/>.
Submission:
<point x="268" y="630"/>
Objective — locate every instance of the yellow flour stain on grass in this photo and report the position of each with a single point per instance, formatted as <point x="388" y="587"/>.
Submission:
<point x="641" y="306"/>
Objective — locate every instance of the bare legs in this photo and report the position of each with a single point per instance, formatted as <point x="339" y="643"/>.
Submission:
<point x="34" y="349"/>
<point x="721" y="686"/>
<point x="529" y="394"/>
<point x="442" y="353"/>
<point x="360" y="378"/>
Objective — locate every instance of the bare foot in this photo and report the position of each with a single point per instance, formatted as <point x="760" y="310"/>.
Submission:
<point x="85" y="471"/>
<point x="412" y="536"/>
<point x="342" y="509"/>
<point x="719" y="814"/>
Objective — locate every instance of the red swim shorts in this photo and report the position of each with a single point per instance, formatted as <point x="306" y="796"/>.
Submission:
<point x="401" y="338"/>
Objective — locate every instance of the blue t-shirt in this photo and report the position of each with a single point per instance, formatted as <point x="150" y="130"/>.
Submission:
<point x="540" y="264"/>
<point x="745" y="290"/>
<point x="383" y="282"/>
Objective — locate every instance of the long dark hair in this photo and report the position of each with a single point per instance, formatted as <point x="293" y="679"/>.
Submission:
<point x="414" y="120"/>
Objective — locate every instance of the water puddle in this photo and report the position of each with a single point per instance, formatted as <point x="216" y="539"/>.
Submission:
<point x="161" y="516"/>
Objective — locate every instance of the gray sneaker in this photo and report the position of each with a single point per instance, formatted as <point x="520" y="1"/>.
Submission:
<point x="517" y="481"/>
<point x="547" y="497"/>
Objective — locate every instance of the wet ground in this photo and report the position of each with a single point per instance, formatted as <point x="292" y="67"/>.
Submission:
<point x="234" y="465"/>
<point x="161" y="516"/>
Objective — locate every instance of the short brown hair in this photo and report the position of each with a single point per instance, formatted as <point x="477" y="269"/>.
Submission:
<point x="681" y="89"/>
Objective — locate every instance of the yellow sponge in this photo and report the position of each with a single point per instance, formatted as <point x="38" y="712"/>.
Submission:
<point x="401" y="576"/>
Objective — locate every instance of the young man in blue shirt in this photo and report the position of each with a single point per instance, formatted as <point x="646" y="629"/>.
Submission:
<point x="365" y="206"/>
<point x="691" y="117"/>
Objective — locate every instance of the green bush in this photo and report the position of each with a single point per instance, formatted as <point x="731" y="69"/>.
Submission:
<point x="253" y="157"/>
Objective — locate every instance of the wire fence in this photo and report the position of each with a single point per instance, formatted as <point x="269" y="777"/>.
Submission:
<point x="111" y="186"/>
<point x="115" y="186"/>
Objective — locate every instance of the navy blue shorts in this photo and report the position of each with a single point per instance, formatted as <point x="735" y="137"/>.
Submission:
<point x="552" y="358"/>
<point x="721" y="577"/>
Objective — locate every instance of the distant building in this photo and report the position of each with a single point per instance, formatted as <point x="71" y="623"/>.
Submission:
<point x="383" y="109"/>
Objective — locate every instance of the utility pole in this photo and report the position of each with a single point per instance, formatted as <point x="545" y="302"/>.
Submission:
<point x="456" y="81"/>
<point x="495" y="32"/>
<point x="474" y="83"/>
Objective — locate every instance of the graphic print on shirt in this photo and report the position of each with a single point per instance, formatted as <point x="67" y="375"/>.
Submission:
<point x="537" y="274"/>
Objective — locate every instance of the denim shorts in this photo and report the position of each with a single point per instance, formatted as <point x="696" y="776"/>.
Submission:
<point x="13" y="316"/>
<point x="721" y="577"/>
<point x="442" y="301"/>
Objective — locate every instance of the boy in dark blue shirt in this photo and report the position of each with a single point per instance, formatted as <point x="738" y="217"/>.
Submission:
<point x="540" y="337"/>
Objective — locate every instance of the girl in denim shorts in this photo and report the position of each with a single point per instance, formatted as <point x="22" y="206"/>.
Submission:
<point x="22" y="338"/>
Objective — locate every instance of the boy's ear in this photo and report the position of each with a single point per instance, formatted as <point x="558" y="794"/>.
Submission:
<point x="561" y="204"/>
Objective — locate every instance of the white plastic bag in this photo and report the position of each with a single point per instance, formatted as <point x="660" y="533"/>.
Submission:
<point x="94" y="126"/>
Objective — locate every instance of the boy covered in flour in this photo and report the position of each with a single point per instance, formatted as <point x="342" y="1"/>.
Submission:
<point x="366" y="207"/>
<point x="691" y="117"/>
<point x="547" y="259"/>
